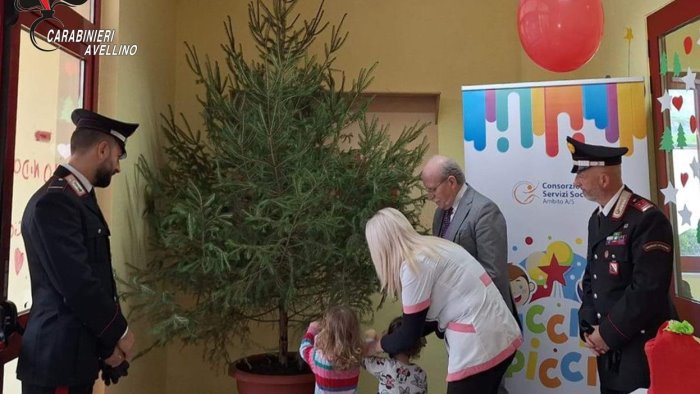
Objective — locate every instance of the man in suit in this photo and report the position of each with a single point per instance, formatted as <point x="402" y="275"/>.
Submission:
<point x="627" y="278"/>
<point x="470" y="219"/>
<point x="76" y="325"/>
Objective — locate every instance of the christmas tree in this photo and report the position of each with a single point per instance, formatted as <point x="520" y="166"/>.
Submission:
<point x="259" y="217"/>
<point x="666" y="140"/>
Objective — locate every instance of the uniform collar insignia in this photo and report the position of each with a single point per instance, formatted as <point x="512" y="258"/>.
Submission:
<point x="621" y="205"/>
<point x="75" y="184"/>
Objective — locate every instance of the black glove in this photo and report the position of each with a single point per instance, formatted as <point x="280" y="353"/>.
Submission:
<point x="112" y="374"/>
<point x="584" y="328"/>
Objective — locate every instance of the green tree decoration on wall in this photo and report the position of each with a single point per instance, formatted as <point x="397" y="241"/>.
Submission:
<point x="259" y="217"/>
<point x="680" y="137"/>
<point x="664" y="64"/>
<point x="666" y="140"/>
<point x="676" y="65"/>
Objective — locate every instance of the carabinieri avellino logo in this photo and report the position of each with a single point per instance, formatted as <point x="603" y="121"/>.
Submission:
<point x="46" y="7"/>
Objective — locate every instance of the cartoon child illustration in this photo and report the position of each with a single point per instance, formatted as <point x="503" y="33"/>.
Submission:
<point x="520" y="285"/>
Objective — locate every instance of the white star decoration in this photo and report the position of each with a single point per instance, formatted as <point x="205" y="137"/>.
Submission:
<point x="685" y="215"/>
<point x="669" y="193"/>
<point x="665" y="101"/>
<point x="689" y="79"/>
<point x="696" y="167"/>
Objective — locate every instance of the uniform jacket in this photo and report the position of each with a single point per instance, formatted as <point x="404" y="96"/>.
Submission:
<point x="75" y="317"/>
<point x="479" y="227"/>
<point x="625" y="286"/>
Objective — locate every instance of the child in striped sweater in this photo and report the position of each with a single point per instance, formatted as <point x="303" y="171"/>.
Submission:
<point x="333" y="350"/>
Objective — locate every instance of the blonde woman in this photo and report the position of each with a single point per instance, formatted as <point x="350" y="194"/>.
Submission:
<point x="443" y="289"/>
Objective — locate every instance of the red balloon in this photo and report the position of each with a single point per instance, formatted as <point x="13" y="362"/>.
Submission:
<point x="560" y="35"/>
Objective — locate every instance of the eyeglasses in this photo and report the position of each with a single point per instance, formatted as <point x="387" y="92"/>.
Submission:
<point x="432" y="190"/>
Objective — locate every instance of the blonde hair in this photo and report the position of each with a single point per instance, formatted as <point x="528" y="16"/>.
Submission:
<point x="392" y="241"/>
<point x="340" y="339"/>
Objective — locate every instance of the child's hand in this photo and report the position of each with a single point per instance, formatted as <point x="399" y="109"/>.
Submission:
<point x="315" y="326"/>
<point x="370" y="335"/>
<point x="372" y="347"/>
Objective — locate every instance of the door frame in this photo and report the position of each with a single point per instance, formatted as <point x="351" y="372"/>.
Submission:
<point x="660" y="23"/>
<point x="9" y="59"/>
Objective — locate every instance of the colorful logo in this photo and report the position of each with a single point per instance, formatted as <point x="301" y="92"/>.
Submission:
<point x="524" y="192"/>
<point x="523" y="115"/>
<point x="46" y="7"/>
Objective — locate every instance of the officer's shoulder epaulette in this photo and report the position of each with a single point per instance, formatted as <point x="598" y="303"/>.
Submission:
<point x="70" y="182"/>
<point x="641" y="203"/>
<point x="57" y="183"/>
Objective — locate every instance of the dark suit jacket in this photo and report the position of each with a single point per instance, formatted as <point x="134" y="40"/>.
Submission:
<point x="625" y="286"/>
<point x="75" y="317"/>
<point x="479" y="227"/>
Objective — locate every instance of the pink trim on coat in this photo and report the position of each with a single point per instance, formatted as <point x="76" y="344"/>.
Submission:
<point x="500" y="357"/>
<point x="416" y="307"/>
<point x="486" y="279"/>
<point x="461" y="327"/>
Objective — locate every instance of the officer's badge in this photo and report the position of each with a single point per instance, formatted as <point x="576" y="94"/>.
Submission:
<point x="614" y="268"/>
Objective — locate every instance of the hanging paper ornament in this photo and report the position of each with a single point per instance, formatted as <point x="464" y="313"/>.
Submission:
<point x="695" y="166"/>
<point x="665" y="101"/>
<point x="685" y="215"/>
<point x="689" y="79"/>
<point x="669" y="193"/>
<point x="677" y="102"/>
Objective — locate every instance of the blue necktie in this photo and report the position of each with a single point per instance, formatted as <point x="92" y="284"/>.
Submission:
<point x="446" y="215"/>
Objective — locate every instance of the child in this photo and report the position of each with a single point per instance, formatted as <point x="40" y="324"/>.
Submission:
<point x="397" y="374"/>
<point x="333" y="350"/>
